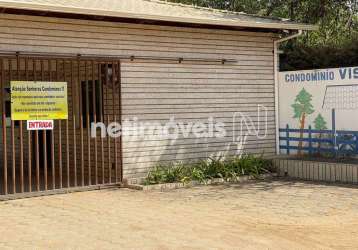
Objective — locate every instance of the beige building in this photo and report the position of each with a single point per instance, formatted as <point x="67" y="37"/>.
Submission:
<point x="124" y="60"/>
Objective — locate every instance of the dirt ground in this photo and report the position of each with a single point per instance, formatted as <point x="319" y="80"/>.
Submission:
<point x="257" y="215"/>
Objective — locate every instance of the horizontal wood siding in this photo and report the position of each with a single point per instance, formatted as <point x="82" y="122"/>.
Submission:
<point x="154" y="91"/>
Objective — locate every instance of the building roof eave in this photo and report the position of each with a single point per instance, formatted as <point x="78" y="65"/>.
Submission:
<point x="228" y="20"/>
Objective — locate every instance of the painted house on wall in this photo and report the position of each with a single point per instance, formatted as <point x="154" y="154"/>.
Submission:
<point x="131" y="60"/>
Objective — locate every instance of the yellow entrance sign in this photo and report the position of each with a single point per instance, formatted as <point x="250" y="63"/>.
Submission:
<point x="38" y="100"/>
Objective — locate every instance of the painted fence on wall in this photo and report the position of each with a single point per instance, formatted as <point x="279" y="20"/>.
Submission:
<point x="339" y="142"/>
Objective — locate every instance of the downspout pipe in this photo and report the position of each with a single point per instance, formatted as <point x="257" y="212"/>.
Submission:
<point x="277" y="91"/>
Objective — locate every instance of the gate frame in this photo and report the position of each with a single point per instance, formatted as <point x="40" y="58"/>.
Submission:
<point x="57" y="57"/>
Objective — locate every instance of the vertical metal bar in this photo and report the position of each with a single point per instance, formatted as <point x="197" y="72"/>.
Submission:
<point x="34" y="69"/>
<point x="81" y="126"/>
<point x="74" y="151"/>
<point x="66" y="136"/>
<point x="42" y="70"/>
<point x="106" y="74"/>
<point x="94" y="106"/>
<point x="53" y="159"/>
<point x="37" y="153"/>
<point x="88" y="127"/>
<point x="113" y="87"/>
<point x="49" y="70"/>
<point x="4" y="136"/>
<point x="109" y="155"/>
<point x="120" y="120"/>
<point x="101" y="118"/>
<point x="52" y="136"/>
<point x="100" y="94"/>
<point x="59" y="135"/>
<point x="79" y="85"/>
<point x="17" y="67"/>
<point x="115" y="108"/>
<point x="115" y="153"/>
<point x="29" y="158"/>
<point x="63" y="78"/>
<point x="82" y="152"/>
<point x="59" y="145"/>
<point x="21" y="158"/>
<point x="13" y="154"/>
<point x="20" y="134"/>
<point x="44" y="143"/>
<point x="102" y="155"/>
<point x="73" y="98"/>
<point x="44" y="135"/>
<point x="37" y="161"/>
<point x="67" y="155"/>
<point x="60" y="153"/>
<point x="73" y="84"/>
<point x="108" y="140"/>
<point x="114" y="76"/>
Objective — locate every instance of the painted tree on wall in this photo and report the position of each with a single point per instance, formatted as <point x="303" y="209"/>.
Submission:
<point x="302" y="108"/>
<point x="320" y="124"/>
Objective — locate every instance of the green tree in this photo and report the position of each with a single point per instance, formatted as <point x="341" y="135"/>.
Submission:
<point x="330" y="46"/>
<point x="320" y="124"/>
<point x="302" y="108"/>
<point x="337" y="19"/>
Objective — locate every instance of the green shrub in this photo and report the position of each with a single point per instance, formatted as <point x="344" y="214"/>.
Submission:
<point x="228" y="169"/>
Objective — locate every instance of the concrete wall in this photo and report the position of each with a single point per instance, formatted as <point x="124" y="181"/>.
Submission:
<point x="317" y="171"/>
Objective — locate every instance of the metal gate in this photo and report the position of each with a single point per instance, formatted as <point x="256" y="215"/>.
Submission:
<point x="68" y="157"/>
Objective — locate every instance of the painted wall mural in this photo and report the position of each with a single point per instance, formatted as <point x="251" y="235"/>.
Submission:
<point x="318" y="111"/>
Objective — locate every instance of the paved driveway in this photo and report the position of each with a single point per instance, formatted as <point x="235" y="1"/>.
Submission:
<point x="258" y="215"/>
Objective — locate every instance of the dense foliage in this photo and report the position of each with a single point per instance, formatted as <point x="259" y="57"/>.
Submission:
<point x="334" y="44"/>
<point x="229" y="169"/>
<point x="299" y="56"/>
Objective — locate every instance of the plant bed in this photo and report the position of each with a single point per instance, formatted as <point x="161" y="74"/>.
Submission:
<point x="209" y="171"/>
<point x="215" y="181"/>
